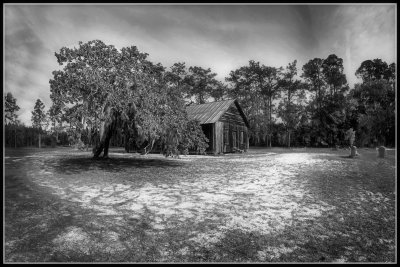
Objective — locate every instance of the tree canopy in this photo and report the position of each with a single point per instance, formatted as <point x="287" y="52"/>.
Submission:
<point x="372" y="70"/>
<point x="108" y="88"/>
<point x="39" y="118"/>
<point x="291" y="108"/>
<point x="10" y="109"/>
<point x="39" y="115"/>
<point x="256" y="86"/>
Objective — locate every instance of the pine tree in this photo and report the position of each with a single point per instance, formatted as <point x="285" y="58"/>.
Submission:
<point x="39" y="117"/>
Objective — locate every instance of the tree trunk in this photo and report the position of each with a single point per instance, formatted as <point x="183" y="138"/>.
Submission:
<point x="105" y="135"/>
<point x="40" y="140"/>
<point x="107" y="143"/>
<point x="126" y="142"/>
<point x="151" y="144"/>
<point x="106" y="129"/>
<point x="270" y="122"/>
<point x="288" y="138"/>
<point x="15" y="137"/>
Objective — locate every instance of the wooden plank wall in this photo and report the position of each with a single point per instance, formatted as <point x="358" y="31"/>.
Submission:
<point x="219" y="137"/>
<point x="233" y="121"/>
<point x="232" y="115"/>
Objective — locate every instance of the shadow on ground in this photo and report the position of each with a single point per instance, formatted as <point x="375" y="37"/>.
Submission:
<point x="81" y="164"/>
<point x="35" y="222"/>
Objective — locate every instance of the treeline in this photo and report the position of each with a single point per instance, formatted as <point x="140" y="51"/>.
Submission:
<point x="311" y="107"/>
<point x="316" y="106"/>
<point x="17" y="134"/>
<point x="25" y="136"/>
<point x="285" y="106"/>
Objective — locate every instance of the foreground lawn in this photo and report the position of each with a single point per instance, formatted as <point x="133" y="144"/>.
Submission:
<point x="268" y="205"/>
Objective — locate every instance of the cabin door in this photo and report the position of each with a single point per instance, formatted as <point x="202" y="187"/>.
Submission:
<point x="208" y="132"/>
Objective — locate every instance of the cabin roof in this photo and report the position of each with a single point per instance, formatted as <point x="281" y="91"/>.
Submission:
<point x="212" y="112"/>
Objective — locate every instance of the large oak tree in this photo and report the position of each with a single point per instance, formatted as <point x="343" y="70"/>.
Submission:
<point x="110" y="88"/>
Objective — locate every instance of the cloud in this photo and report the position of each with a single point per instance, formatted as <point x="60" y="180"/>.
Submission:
<point x="222" y="38"/>
<point x="355" y="33"/>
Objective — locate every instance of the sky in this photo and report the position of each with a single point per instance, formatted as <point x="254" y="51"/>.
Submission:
<point x="220" y="37"/>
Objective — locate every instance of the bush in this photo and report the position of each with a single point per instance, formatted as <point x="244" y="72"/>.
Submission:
<point x="48" y="140"/>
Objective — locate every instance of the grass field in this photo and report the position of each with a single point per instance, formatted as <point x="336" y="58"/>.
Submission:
<point x="267" y="205"/>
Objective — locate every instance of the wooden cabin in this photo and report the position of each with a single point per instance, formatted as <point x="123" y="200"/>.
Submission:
<point x="224" y="124"/>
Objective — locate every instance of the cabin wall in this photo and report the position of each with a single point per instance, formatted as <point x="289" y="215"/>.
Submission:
<point x="227" y="134"/>
<point x="235" y="136"/>
<point x="219" y="137"/>
<point x="232" y="115"/>
<point x="234" y="131"/>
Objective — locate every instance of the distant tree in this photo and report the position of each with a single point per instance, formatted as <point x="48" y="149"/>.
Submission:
<point x="314" y="77"/>
<point x="334" y="116"/>
<point x="10" y="116"/>
<point x="352" y="115"/>
<point x="219" y="91"/>
<point x="332" y="68"/>
<point x="366" y="71"/>
<point x="313" y="74"/>
<point x="256" y="86"/>
<point x="245" y="88"/>
<point x="176" y="77"/>
<point x="376" y="105"/>
<point x="242" y="88"/>
<point x="328" y="110"/>
<point x="10" y="109"/>
<point x="201" y="83"/>
<point x="350" y="135"/>
<point x="291" y="107"/>
<point x="39" y="118"/>
<point x="390" y="74"/>
<point x="269" y="90"/>
<point x="279" y="134"/>
<point x="376" y="101"/>
<point x="372" y="70"/>
<point x="54" y="114"/>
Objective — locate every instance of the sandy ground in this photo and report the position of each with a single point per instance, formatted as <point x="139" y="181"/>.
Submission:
<point x="207" y="197"/>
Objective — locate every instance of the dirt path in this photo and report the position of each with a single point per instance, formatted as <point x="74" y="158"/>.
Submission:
<point x="285" y="206"/>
